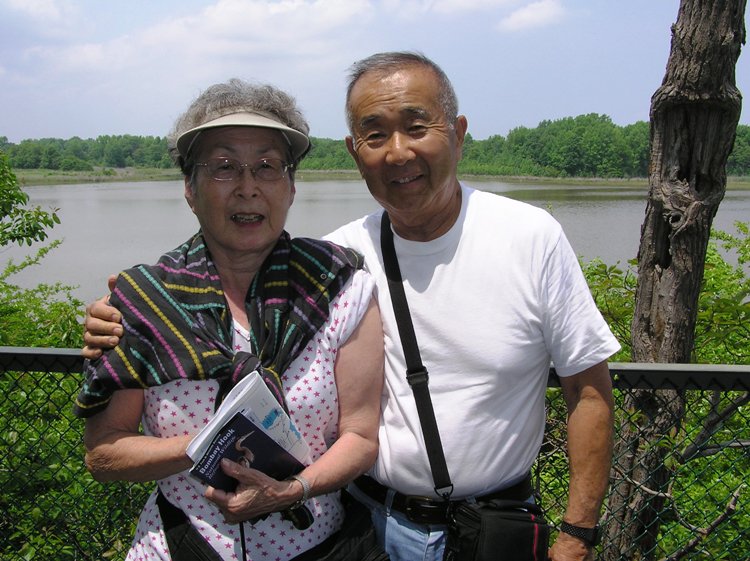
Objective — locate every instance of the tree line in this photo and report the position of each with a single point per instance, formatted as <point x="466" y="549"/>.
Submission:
<point x="584" y="146"/>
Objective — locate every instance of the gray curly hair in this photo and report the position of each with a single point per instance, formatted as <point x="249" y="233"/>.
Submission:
<point x="236" y="96"/>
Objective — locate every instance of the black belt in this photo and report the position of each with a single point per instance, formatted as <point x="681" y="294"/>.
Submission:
<point x="424" y="510"/>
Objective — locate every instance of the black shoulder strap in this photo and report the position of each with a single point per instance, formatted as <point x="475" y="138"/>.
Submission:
<point x="416" y="373"/>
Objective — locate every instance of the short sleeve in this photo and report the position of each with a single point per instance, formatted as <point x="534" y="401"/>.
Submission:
<point x="577" y="335"/>
<point x="349" y="307"/>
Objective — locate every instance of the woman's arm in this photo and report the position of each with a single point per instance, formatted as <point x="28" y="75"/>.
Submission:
<point x="117" y="450"/>
<point x="359" y="381"/>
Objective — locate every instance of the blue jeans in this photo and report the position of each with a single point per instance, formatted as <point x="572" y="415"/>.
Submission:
<point x="402" y="539"/>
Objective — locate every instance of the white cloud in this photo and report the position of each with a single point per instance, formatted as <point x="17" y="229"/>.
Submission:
<point x="460" y="6"/>
<point x="41" y="10"/>
<point x="534" y="15"/>
<point x="405" y="9"/>
<point x="401" y="8"/>
<point x="143" y="76"/>
<point x="47" y="18"/>
<point x="225" y="33"/>
<point x="89" y="67"/>
<point x="254" y="26"/>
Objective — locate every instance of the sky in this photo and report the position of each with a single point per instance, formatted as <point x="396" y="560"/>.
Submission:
<point x="90" y="67"/>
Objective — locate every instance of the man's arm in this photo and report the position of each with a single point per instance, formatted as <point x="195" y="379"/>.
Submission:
<point x="588" y="396"/>
<point x="103" y="326"/>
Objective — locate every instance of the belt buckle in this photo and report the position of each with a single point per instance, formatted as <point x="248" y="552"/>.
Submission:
<point x="423" y="510"/>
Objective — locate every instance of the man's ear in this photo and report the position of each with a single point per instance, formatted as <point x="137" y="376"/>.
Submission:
<point x="460" y="127"/>
<point x="352" y="150"/>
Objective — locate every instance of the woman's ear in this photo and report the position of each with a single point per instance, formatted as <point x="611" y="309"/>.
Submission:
<point x="189" y="194"/>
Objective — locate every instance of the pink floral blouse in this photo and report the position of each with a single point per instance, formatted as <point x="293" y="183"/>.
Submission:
<point x="182" y="407"/>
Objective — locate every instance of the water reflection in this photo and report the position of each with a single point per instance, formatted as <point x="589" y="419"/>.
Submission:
<point x="112" y="226"/>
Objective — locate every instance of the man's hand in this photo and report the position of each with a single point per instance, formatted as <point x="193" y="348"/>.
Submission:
<point x="103" y="326"/>
<point x="568" y="548"/>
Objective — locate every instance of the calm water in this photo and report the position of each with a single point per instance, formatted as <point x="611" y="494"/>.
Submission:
<point x="109" y="227"/>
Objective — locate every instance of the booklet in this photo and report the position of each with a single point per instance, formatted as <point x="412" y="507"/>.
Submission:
<point x="250" y="427"/>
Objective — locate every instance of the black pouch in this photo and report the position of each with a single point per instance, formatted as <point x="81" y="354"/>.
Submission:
<point x="492" y="530"/>
<point x="183" y="540"/>
<point x="356" y="541"/>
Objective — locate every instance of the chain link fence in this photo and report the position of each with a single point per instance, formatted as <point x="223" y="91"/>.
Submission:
<point x="678" y="486"/>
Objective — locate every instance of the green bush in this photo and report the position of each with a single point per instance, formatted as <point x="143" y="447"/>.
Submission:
<point x="716" y="420"/>
<point x="44" y="316"/>
<point x="50" y="507"/>
<point x="19" y="224"/>
<point x="722" y="333"/>
<point x="71" y="163"/>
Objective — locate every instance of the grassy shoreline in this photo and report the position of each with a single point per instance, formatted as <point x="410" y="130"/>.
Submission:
<point x="34" y="177"/>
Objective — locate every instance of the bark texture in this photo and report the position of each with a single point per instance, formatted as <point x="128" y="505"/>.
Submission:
<point x="694" y="116"/>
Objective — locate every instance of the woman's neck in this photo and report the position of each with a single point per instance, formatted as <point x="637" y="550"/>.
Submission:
<point x="235" y="282"/>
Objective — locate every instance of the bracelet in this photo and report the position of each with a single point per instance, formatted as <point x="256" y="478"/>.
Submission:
<point x="305" y="491"/>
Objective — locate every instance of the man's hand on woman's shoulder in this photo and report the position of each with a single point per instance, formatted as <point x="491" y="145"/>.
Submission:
<point x="102" y="326"/>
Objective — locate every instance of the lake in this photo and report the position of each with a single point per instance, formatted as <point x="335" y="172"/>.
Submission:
<point x="108" y="227"/>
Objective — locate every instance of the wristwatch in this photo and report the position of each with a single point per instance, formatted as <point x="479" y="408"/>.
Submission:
<point x="588" y="535"/>
<point x="305" y="491"/>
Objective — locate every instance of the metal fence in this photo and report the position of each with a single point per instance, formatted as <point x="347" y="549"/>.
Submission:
<point x="678" y="486"/>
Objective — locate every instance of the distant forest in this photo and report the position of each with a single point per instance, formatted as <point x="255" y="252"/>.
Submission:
<point x="584" y="146"/>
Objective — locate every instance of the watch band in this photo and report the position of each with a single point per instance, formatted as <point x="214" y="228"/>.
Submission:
<point x="588" y="535"/>
<point x="305" y="491"/>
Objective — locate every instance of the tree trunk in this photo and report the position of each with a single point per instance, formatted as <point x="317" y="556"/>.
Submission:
<point x="694" y="117"/>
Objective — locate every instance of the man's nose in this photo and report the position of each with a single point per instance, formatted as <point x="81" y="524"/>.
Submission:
<point x="399" y="149"/>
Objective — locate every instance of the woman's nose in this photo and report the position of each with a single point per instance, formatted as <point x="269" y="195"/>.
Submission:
<point x="247" y="184"/>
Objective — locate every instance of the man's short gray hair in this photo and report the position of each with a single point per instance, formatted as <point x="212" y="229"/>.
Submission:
<point x="390" y="62"/>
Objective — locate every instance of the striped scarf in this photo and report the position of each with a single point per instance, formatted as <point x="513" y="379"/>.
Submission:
<point x="177" y="324"/>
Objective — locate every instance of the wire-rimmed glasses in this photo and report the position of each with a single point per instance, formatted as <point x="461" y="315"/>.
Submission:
<point x="229" y="169"/>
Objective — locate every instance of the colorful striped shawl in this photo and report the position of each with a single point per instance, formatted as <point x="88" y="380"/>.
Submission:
<point x="177" y="324"/>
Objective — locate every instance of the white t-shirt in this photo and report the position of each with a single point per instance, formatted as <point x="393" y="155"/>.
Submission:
<point x="493" y="301"/>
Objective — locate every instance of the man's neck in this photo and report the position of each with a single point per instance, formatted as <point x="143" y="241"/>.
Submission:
<point x="425" y="229"/>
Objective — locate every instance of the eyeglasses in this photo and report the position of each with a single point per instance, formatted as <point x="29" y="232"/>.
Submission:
<point x="229" y="169"/>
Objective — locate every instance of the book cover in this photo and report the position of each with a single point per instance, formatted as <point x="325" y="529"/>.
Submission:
<point x="244" y="442"/>
<point x="254" y="400"/>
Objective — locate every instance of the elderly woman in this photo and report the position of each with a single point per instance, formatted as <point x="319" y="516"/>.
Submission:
<point x="238" y="296"/>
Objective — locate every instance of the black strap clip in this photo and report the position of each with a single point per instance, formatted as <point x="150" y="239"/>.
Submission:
<point x="418" y="376"/>
<point x="445" y="492"/>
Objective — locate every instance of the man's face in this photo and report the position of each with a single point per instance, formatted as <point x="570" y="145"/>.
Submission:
<point x="406" y="150"/>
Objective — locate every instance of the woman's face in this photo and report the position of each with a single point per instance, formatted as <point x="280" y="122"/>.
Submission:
<point x="244" y="217"/>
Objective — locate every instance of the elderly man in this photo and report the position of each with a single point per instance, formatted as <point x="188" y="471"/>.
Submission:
<point x="495" y="293"/>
